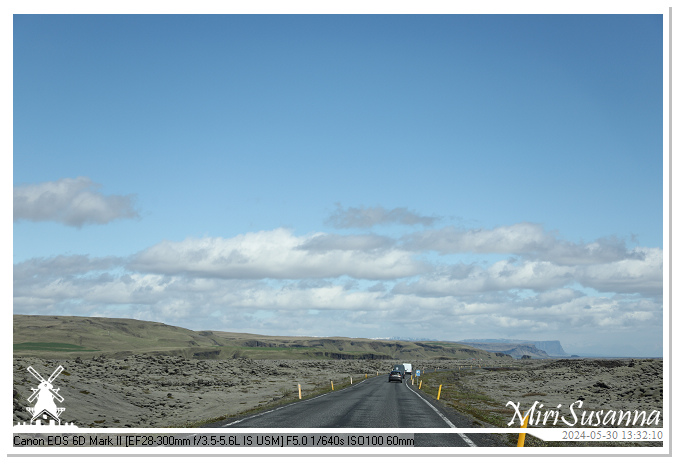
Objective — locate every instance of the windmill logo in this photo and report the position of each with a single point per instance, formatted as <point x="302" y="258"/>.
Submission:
<point x="45" y="408"/>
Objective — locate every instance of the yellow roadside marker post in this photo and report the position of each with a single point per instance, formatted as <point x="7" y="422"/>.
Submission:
<point x="439" y="395"/>
<point x="299" y="387"/>
<point x="420" y="387"/>
<point x="332" y="386"/>
<point x="522" y="436"/>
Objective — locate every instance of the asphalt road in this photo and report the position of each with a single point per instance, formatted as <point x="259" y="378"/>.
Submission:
<point x="372" y="403"/>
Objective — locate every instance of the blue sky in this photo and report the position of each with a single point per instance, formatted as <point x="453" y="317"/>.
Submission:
<point x="445" y="177"/>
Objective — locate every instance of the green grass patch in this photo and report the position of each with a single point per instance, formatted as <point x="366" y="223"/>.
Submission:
<point x="294" y="352"/>
<point x="49" y="346"/>
<point x="310" y="349"/>
<point x="273" y="348"/>
<point x="455" y="394"/>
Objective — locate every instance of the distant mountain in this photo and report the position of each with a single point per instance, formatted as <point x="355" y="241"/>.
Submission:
<point x="550" y="348"/>
<point x="515" y="350"/>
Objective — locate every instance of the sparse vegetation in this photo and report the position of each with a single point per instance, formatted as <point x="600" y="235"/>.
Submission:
<point x="261" y="372"/>
<point x="456" y="395"/>
<point x="51" y="346"/>
<point x="68" y="336"/>
<point x="472" y="393"/>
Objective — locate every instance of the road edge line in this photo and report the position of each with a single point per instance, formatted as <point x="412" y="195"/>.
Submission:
<point x="445" y="419"/>
<point x="284" y="406"/>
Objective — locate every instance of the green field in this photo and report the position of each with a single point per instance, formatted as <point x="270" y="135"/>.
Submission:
<point x="37" y="346"/>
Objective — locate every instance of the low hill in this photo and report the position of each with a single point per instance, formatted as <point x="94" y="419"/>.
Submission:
<point x="73" y="336"/>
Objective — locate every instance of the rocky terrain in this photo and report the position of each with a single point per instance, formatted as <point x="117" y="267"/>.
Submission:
<point x="601" y="384"/>
<point x="125" y="373"/>
<point x="171" y="391"/>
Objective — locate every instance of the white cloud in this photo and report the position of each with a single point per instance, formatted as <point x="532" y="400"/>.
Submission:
<point x="276" y="254"/>
<point x="627" y="276"/>
<point x="514" y="239"/>
<point x="329" y="242"/>
<point x="357" y="285"/>
<point x="63" y="265"/>
<point x="523" y="239"/>
<point x="643" y="275"/>
<point x="262" y="306"/>
<point x="554" y="297"/>
<point x="73" y="202"/>
<point x="500" y="276"/>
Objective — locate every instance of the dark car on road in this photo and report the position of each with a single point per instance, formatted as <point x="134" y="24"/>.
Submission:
<point x="395" y="376"/>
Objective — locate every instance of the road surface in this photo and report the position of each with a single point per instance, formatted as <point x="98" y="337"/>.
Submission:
<point x="372" y="403"/>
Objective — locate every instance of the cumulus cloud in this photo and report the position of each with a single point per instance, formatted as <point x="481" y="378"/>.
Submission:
<point x="265" y="306"/>
<point x="503" y="275"/>
<point x="554" y="297"/>
<point x="73" y="202"/>
<point x="641" y="275"/>
<point x="514" y="239"/>
<point x="62" y="265"/>
<point x="278" y="254"/>
<point x="365" y="218"/>
<point x="524" y="239"/>
<point x="329" y="242"/>
<point x="274" y="281"/>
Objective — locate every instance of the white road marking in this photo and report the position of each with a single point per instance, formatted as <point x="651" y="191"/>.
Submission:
<point x="287" y="405"/>
<point x="445" y="419"/>
<point x="272" y="410"/>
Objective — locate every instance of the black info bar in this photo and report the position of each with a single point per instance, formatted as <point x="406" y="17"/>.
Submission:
<point x="75" y="440"/>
